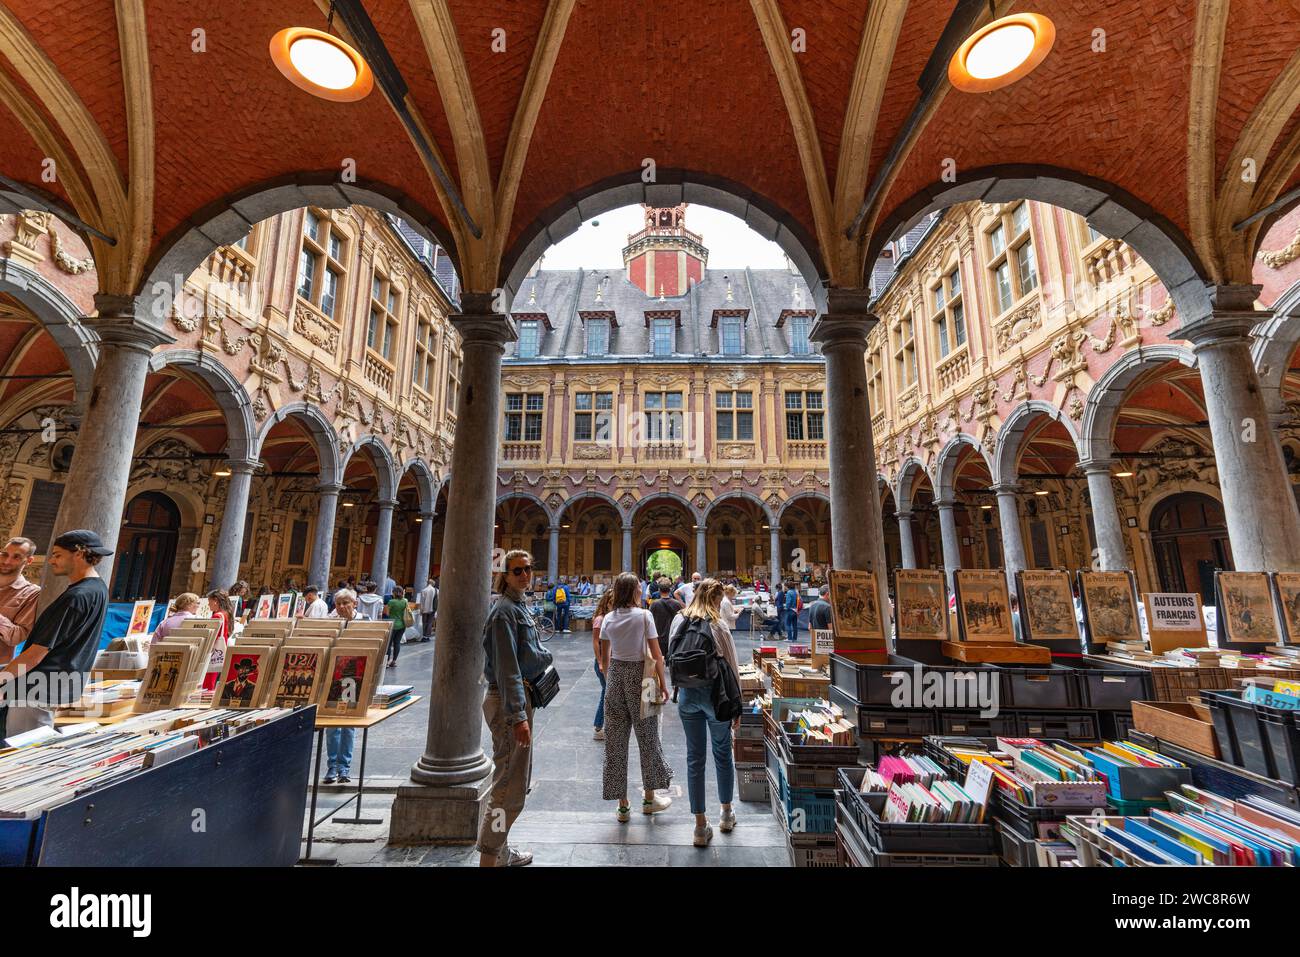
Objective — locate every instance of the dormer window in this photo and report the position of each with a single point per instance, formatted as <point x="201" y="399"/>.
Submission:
<point x="731" y="337"/>
<point x="529" y="335"/>
<point x="661" y="333"/>
<point x="597" y="337"/>
<point x="799" y="328"/>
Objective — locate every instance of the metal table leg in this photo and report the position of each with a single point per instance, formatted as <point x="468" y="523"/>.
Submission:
<point x="361" y="786"/>
<point x="315" y="790"/>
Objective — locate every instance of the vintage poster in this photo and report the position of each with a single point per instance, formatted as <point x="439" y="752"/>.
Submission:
<point x="1288" y="595"/>
<point x="1047" y="606"/>
<point x="1109" y="608"/>
<point x="241" y="679"/>
<point x="855" y="605"/>
<point x="921" y="604"/>
<point x="285" y="604"/>
<point x="1246" y="607"/>
<point x="297" y="677"/>
<point x="349" y="683"/>
<point x="983" y="606"/>
<point x="140" y="616"/>
<point x="265" y="606"/>
<point x="164" y="676"/>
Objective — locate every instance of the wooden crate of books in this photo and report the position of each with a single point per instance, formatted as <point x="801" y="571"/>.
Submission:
<point x="785" y="685"/>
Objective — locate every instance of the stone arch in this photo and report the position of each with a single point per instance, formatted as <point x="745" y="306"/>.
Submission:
<point x="748" y="496"/>
<point x="59" y="315"/>
<point x="641" y="503"/>
<point x="1275" y="342"/>
<point x="945" y="466"/>
<point x="1011" y="435"/>
<point x="902" y="487"/>
<point x="671" y="186"/>
<point x="230" y="395"/>
<point x="230" y="219"/>
<point x="1107" y="208"/>
<point x="385" y="467"/>
<point x="623" y="518"/>
<point x="529" y="497"/>
<point x="1149" y="503"/>
<point x="822" y="496"/>
<point x="322" y="433"/>
<point x="425" y="483"/>
<point x="1107" y="394"/>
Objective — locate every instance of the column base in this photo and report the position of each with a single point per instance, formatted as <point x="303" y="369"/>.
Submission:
<point x="438" y="815"/>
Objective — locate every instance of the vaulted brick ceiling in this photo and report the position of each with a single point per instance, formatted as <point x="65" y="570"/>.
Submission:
<point x="695" y="85"/>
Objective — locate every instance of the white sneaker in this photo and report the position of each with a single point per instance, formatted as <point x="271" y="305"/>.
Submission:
<point x="728" y="822"/>
<point x="660" y="803"/>
<point x="598" y="734"/>
<point x="703" y="835"/>
<point x="513" y="857"/>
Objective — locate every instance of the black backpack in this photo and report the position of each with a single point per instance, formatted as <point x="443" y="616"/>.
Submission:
<point x="692" y="656"/>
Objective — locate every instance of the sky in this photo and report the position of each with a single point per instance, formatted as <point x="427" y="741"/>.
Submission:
<point x="730" y="242"/>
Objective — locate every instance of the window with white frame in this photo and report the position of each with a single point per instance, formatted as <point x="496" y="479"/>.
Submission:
<point x="320" y="262"/>
<point x="799" y="329"/>
<point x="661" y="337"/>
<point x="949" y="313"/>
<point x="426" y="347"/>
<point x="1013" y="267"/>
<point x="904" y="352"/>
<point x="453" y="381"/>
<point x="732" y="338"/>
<point x="523" y="417"/>
<point x="876" y="379"/>
<point x="734" y="415"/>
<point x="382" y="327"/>
<point x="597" y="337"/>
<point x="663" y="417"/>
<point x="805" y="418"/>
<point x="593" y="416"/>
<point x="529" y="336"/>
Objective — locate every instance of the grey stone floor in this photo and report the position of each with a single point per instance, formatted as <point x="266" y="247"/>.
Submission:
<point x="565" y="822"/>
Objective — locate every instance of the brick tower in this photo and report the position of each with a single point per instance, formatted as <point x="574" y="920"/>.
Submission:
<point x="665" y="257"/>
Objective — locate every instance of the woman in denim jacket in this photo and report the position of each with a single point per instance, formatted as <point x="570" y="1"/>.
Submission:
<point x="513" y="654"/>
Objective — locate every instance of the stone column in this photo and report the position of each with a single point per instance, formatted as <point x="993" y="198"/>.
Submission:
<point x="1111" y="553"/>
<point x="423" y="551"/>
<point x="1260" y="509"/>
<point x="857" y="531"/>
<point x="906" y="544"/>
<point x="701" y="551"/>
<point x="383" y="538"/>
<point x="948" y="531"/>
<point x="627" y="548"/>
<point x="1013" y="543"/>
<point x="775" y="556"/>
<point x="450" y="780"/>
<point x="553" y="555"/>
<point x="322" y="547"/>
<point x="230" y="539"/>
<point x="101" y="464"/>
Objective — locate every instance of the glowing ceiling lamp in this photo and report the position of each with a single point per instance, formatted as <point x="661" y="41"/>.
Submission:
<point x="1002" y="52"/>
<point x="321" y="64"/>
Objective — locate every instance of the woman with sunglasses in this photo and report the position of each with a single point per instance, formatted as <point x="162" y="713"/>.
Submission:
<point x="513" y="654"/>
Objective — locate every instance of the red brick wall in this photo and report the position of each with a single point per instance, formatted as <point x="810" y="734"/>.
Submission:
<point x="636" y="269"/>
<point x="694" y="270"/>
<point x="665" y="274"/>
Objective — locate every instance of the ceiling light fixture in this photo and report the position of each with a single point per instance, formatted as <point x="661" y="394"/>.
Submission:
<point x="1042" y="491"/>
<point x="321" y="64"/>
<point x="1124" y="474"/>
<point x="348" y="504"/>
<point x="1002" y="52"/>
<point x="222" y="473"/>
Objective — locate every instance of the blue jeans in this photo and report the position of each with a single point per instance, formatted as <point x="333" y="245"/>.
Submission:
<point x="562" y="616"/>
<point x="600" y="705"/>
<point x="695" y="708"/>
<point x="395" y="641"/>
<point x="338" y="742"/>
<point x="792" y="624"/>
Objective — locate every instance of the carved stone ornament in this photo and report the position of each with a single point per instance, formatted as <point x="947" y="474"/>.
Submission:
<point x="1278" y="258"/>
<point x="1159" y="317"/>
<point x="1019" y="325"/>
<point x="1067" y="351"/>
<point x="736" y="450"/>
<point x="316" y="329"/>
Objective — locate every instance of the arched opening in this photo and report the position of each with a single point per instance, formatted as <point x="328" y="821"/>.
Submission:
<point x="1190" y="537"/>
<point x="1043" y="457"/>
<point x="659" y="519"/>
<point x="805" y="539"/>
<point x="279" y="548"/>
<point x="146" y="551"/>
<point x="522" y="522"/>
<point x="738" y="539"/>
<point x="889" y="523"/>
<point x="916" y="493"/>
<point x="662" y="557"/>
<point x="590" y="539"/>
<point x="964" y="479"/>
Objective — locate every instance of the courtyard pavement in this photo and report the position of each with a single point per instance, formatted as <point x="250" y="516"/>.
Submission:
<point x="564" y="822"/>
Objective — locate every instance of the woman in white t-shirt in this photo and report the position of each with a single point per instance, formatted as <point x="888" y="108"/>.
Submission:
<point x="695" y="708"/>
<point x="627" y="638"/>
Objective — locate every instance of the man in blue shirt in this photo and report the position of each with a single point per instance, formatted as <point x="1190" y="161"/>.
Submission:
<point x="560" y="595"/>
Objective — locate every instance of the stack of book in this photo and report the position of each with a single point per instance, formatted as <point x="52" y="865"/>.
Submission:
<point x="823" y="725"/>
<point x="941" y="802"/>
<point x="389" y="696"/>
<point x="910" y="769"/>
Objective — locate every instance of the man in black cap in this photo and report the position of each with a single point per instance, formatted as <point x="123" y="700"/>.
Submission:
<point x="60" y="650"/>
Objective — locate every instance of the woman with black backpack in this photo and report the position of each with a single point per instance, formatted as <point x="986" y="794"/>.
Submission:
<point x="695" y="706"/>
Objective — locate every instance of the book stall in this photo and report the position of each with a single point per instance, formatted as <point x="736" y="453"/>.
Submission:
<point x="954" y="748"/>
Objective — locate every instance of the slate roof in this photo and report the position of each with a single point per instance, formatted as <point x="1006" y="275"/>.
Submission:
<point x="564" y="293"/>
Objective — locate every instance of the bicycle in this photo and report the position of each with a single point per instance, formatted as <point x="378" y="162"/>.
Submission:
<point x="545" y="627"/>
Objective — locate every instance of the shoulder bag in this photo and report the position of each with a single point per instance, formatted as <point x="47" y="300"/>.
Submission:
<point x="543" y="689"/>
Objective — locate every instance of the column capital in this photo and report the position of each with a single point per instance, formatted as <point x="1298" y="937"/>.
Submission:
<point x="478" y="322"/>
<point x="389" y="503"/>
<point x="553" y="527"/>
<point x="627" y="528"/>
<point x="243" y="466"/>
<point x="1005" y="488"/>
<point x="117" y="324"/>
<point x="902" y="513"/>
<point x="1096" y="465"/>
<point x="1232" y="318"/>
<point x="330" y="488"/>
<point x="847" y="320"/>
